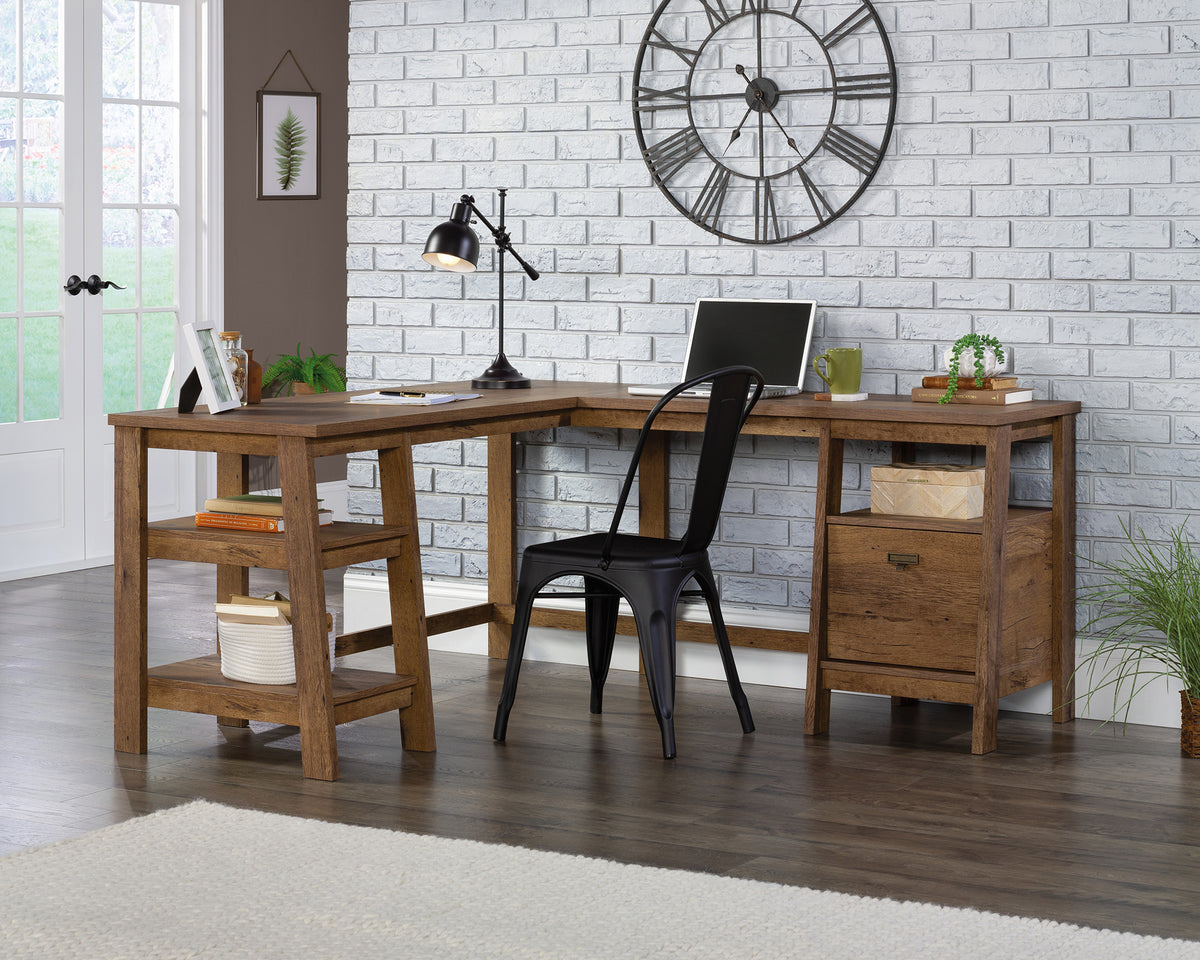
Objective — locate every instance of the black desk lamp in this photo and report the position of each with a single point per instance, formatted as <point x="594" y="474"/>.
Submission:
<point x="453" y="245"/>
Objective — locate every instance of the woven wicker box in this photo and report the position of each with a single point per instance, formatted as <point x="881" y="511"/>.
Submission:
<point x="949" y="491"/>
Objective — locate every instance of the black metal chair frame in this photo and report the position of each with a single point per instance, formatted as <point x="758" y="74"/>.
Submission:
<point x="649" y="572"/>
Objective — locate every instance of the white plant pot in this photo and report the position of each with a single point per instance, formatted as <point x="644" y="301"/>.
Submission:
<point x="966" y="363"/>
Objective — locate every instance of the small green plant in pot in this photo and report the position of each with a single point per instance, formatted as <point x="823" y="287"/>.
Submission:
<point x="989" y="359"/>
<point x="1147" y="626"/>
<point x="317" y="371"/>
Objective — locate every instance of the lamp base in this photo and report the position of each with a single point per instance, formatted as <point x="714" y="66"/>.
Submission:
<point x="501" y="375"/>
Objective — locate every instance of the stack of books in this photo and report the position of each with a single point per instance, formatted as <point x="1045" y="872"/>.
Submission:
<point x="250" y="511"/>
<point x="274" y="609"/>
<point x="995" y="390"/>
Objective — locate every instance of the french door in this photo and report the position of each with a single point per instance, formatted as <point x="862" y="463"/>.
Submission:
<point x="98" y="232"/>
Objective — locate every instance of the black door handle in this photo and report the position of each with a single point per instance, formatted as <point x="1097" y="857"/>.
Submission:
<point x="92" y="285"/>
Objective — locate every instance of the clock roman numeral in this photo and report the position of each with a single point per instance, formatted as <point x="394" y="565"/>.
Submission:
<point x="764" y="211"/>
<point x="707" y="208"/>
<point x="718" y="16"/>
<point x="839" y="33"/>
<point x="667" y="157"/>
<point x="844" y="145"/>
<point x="820" y="205"/>
<point x="687" y="55"/>
<point x="865" y="86"/>
<point x="796" y="8"/>
<point x="648" y="98"/>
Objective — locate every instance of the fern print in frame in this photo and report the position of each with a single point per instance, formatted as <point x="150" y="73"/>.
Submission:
<point x="289" y="145"/>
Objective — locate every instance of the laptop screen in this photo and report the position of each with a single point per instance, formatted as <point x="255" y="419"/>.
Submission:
<point x="770" y="335"/>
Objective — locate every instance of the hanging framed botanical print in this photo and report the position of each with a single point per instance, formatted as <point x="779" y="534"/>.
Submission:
<point x="289" y="145"/>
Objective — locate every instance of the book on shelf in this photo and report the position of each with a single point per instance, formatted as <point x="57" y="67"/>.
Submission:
<point x="993" y="397"/>
<point x="257" y="504"/>
<point x="245" y="521"/>
<point x="968" y="383"/>
<point x="251" y="613"/>
<point x="282" y="605"/>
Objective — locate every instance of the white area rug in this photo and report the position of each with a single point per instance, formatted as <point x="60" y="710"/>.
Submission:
<point x="208" y="881"/>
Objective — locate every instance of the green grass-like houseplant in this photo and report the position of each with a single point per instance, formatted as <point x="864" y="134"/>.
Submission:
<point x="317" y="370"/>
<point x="1147" y="626"/>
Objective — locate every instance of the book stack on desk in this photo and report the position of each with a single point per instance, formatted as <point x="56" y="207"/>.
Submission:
<point x="250" y="511"/>
<point x="994" y="390"/>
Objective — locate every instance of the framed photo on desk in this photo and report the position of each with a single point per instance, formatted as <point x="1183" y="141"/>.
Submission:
<point x="216" y="379"/>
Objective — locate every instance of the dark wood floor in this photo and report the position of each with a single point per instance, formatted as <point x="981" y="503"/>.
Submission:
<point x="1060" y="822"/>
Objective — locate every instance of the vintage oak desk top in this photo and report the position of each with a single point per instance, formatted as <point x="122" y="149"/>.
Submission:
<point x="299" y="429"/>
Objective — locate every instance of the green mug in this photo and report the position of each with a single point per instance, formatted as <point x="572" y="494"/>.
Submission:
<point x="843" y="369"/>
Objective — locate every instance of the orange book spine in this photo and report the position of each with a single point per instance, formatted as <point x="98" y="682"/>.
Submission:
<point x="239" y="521"/>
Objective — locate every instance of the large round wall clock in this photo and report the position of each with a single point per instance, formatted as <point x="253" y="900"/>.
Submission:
<point x="764" y="120"/>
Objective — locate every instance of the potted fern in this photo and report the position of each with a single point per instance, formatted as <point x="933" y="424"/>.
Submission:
<point x="1147" y="626"/>
<point x="295" y="373"/>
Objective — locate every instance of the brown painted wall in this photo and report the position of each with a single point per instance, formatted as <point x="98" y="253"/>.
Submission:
<point x="285" y="260"/>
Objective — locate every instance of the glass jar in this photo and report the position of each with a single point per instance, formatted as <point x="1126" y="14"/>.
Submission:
<point x="236" y="360"/>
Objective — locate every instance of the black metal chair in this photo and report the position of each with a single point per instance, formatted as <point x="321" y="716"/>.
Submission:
<point x="648" y="572"/>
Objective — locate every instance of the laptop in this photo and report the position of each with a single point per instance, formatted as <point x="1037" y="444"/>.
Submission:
<point x="773" y="336"/>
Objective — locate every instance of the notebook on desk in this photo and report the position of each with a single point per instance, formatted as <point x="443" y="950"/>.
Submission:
<point x="773" y="336"/>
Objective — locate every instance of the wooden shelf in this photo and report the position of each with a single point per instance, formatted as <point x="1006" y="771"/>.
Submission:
<point x="865" y="518"/>
<point x="197" y="686"/>
<point x="342" y="544"/>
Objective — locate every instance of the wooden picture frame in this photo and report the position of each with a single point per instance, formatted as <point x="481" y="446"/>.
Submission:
<point x="216" y="379"/>
<point x="289" y="145"/>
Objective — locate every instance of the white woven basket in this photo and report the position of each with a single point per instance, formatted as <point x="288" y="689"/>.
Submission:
<point x="257" y="653"/>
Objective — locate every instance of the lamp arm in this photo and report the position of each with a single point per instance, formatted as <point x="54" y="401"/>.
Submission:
<point x="499" y="235"/>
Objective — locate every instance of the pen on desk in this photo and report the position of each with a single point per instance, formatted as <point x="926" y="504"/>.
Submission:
<point x="396" y="392"/>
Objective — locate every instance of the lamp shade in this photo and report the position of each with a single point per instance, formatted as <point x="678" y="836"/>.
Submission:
<point x="453" y="245"/>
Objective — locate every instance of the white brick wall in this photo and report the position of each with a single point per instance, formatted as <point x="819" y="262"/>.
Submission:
<point x="1042" y="185"/>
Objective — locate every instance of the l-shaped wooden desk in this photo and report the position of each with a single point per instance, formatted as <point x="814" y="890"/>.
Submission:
<point x="970" y="645"/>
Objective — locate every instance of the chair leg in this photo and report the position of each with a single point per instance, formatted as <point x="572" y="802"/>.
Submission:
<point x="516" y="650"/>
<point x="656" y="637"/>
<point x="708" y="587"/>
<point x="601" y="626"/>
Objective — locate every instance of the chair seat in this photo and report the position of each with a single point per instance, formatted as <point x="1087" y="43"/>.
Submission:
<point x="627" y="550"/>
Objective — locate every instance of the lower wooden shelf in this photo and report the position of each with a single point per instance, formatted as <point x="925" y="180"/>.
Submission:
<point x="197" y="686"/>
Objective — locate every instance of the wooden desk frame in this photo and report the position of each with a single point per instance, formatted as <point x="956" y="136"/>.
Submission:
<point x="299" y="429"/>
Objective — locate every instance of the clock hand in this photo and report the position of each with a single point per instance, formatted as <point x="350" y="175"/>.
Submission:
<point x="758" y="95"/>
<point x="737" y="132"/>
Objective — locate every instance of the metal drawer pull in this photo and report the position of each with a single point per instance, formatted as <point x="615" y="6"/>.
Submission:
<point x="902" y="560"/>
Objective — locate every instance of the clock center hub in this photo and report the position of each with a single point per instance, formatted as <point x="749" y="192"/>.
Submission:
<point x="762" y="94"/>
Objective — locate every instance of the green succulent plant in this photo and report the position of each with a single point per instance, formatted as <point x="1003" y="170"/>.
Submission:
<point x="976" y="343"/>
<point x="317" y="370"/>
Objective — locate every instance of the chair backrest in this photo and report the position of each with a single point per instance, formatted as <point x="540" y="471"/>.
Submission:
<point x="735" y="391"/>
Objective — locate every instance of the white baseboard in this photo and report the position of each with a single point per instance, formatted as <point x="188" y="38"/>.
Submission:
<point x="366" y="605"/>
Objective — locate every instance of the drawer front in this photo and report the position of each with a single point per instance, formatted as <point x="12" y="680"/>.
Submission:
<point x="903" y="597"/>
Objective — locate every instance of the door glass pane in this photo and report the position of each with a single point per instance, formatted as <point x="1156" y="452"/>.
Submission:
<point x="160" y="52"/>
<point x="8" y="45"/>
<point x="42" y="48"/>
<point x="119" y="338"/>
<point x="8" y="260"/>
<point x="160" y="154"/>
<point x="42" y="135"/>
<point x="119" y="258"/>
<point x="120" y="153"/>
<point x="159" y="229"/>
<point x="158" y="355"/>
<point x="41" y="355"/>
<point x="43" y="265"/>
<point x="8" y="147"/>
<point x="120" y="49"/>
<point x="8" y="369"/>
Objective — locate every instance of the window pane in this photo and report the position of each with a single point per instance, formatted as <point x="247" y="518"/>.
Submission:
<point x="42" y="133"/>
<point x="160" y="153"/>
<point x="8" y="260"/>
<point x="160" y="52"/>
<point x="8" y="142"/>
<point x="43" y="273"/>
<point x="120" y="48"/>
<point x="158" y="354"/>
<point x="158" y="258"/>
<point x="8" y="45"/>
<point x="120" y="153"/>
<point x="42" y="48"/>
<point x="119" y="333"/>
<point x="42" y="364"/>
<point x="8" y="370"/>
<point x="119" y="258"/>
